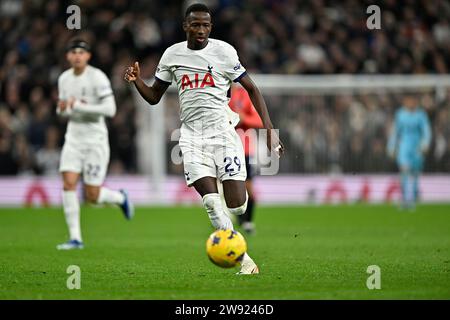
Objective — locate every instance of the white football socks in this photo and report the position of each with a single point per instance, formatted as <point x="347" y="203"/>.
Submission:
<point x="110" y="196"/>
<point x="71" y="206"/>
<point x="213" y="205"/>
<point x="240" y="210"/>
<point x="72" y="213"/>
<point x="219" y="219"/>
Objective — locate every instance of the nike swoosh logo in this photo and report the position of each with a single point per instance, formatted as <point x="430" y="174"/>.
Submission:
<point x="233" y="174"/>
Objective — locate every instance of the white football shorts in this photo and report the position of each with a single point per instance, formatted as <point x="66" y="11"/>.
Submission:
<point x="89" y="160"/>
<point x="220" y="156"/>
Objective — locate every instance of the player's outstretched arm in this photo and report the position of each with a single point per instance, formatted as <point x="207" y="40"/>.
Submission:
<point x="273" y="141"/>
<point x="151" y="94"/>
<point x="393" y="138"/>
<point x="106" y="107"/>
<point x="426" y="133"/>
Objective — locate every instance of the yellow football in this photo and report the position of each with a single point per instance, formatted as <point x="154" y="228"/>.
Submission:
<point x="226" y="248"/>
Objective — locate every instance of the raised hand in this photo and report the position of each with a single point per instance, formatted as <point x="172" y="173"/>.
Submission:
<point x="274" y="143"/>
<point x="132" y="73"/>
<point x="64" y="105"/>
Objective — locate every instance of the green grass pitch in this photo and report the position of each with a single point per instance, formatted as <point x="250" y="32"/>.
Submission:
<point x="303" y="252"/>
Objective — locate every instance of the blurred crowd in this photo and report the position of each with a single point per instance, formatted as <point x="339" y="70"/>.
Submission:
<point x="271" y="36"/>
<point x="349" y="132"/>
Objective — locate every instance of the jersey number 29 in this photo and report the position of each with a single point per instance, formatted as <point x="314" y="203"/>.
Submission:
<point x="229" y="162"/>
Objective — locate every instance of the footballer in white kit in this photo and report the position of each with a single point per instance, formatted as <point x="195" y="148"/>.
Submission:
<point x="209" y="144"/>
<point x="203" y="70"/>
<point x="85" y="97"/>
<point x="86" y="147"/>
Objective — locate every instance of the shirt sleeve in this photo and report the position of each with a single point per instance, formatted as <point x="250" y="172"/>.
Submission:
<point x="103" y="85"/>
<point x="234" y="70"/>
<point x="62" y="96"/>
<point x="163" y="72"/>
<point x="106" y="107"/>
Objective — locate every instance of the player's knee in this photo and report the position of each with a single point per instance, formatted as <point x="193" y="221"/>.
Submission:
<point x="240" y="209"/>
<point x="237" y="205"/>
<point x="69" y="185"/>
<point x="405" y="169"/>
<point x="91" y="194"/>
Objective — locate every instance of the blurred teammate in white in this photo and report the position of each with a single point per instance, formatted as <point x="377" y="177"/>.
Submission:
<point x="85" y="98"/>
<point x="203" y="70"/>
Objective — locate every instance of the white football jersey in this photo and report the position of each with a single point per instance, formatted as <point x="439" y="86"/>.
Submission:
<point x="91" y="86"/>
<point x="203" y="78"/>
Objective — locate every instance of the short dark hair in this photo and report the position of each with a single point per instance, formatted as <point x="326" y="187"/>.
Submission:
<point x="78" y="43"/>
<point x="196" y="7"/>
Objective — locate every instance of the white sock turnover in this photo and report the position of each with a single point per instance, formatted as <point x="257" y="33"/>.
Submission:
<point x="110" y="196"/>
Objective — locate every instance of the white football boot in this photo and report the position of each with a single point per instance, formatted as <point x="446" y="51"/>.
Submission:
<point x="248" y="267"/>
<point x="70" y="245"/>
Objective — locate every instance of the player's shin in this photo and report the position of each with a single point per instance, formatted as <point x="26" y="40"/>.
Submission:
<point x="405" y="187"/>
<point x="408" y="189"/>
<point x="72" y="214"/>
<point x="415" y="187"/>
<point x="213" y="205"/>
<point x="249" y="212"/>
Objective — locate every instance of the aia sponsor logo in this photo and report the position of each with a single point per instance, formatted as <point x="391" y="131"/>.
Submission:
<point x="198" y="81"/>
